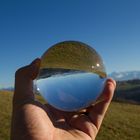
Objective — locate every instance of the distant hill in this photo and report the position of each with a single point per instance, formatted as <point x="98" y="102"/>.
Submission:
<point x="128" y="91"/>
<point x="128" y="86"/>
<point x="7" y="89"/>
<point x="123" y="76"/>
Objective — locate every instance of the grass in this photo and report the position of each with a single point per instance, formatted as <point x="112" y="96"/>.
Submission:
<point x="128" y="86"/>
<point x="73" y="55"/>
<point x="122" y="121"/>
<point x="5" y="114"/>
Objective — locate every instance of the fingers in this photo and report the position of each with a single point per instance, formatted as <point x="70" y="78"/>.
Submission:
<point x="24" y="82"/>
<point x="28" y="72"/>
<point x="83" y="123"/>
<point x="97" y="112"/>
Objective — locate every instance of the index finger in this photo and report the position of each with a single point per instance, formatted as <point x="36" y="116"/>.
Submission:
<point x="24" y="82"/>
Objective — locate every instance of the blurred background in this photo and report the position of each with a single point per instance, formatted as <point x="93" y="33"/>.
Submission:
<point x="112" y="27"/>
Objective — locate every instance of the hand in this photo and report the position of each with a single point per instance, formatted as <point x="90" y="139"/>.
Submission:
<point x="32" y="120"/>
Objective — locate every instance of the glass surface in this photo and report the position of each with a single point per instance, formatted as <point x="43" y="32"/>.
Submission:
<point x="72" y="76"/>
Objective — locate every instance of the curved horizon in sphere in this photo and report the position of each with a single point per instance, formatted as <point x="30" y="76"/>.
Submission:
<point x="71" y="76"/>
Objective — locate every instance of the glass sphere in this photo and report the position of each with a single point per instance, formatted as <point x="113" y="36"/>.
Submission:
<point x="71" y="76"/>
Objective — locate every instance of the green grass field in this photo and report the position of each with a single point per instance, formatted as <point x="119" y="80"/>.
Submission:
<point x="75" y="56"/>
<point x="122" y="121"/>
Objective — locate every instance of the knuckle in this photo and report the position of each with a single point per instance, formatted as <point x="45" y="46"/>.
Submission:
<point x="18" y="71"/>
<point x="21" y="72"/>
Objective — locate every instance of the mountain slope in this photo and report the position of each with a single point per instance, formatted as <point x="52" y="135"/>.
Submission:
<point x="128" y="91"/>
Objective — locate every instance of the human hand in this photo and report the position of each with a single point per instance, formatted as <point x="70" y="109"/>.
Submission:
<point x="32" y="120"/>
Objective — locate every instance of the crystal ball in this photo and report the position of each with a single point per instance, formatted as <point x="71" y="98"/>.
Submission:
<point x="72" y="76"/>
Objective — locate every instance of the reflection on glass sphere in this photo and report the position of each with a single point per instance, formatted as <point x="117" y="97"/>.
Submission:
<point x="72" y="76"/>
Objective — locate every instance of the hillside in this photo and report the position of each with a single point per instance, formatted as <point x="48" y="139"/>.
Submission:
<point x="121" y="122"/>
<point x="5" y="114"/>
<point x="128" y="91"/>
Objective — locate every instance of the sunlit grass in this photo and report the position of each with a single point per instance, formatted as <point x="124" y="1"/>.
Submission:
<point x="5" y="114"/>
<point x="122" y="121"/>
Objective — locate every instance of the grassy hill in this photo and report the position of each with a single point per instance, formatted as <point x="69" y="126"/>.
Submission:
<point x="128" y="91"/>
<point x="122" y="121"/>
<point x="5" y="114"/>
<point x="73" y="55"/>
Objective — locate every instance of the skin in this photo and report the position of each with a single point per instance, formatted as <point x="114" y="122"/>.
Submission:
<point x="32" y="120"/>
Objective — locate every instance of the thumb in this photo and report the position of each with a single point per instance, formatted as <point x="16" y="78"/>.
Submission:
<point x="97" y="112"/>
<point x="24" y="82"/>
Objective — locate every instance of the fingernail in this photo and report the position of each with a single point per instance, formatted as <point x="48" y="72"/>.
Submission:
<point x="110" y="80"/>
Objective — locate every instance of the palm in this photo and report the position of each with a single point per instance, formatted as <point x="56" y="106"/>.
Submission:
<point x="55" y="123"/>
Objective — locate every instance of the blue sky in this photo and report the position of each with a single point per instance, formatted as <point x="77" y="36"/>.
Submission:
<point x="29" y="27"/>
